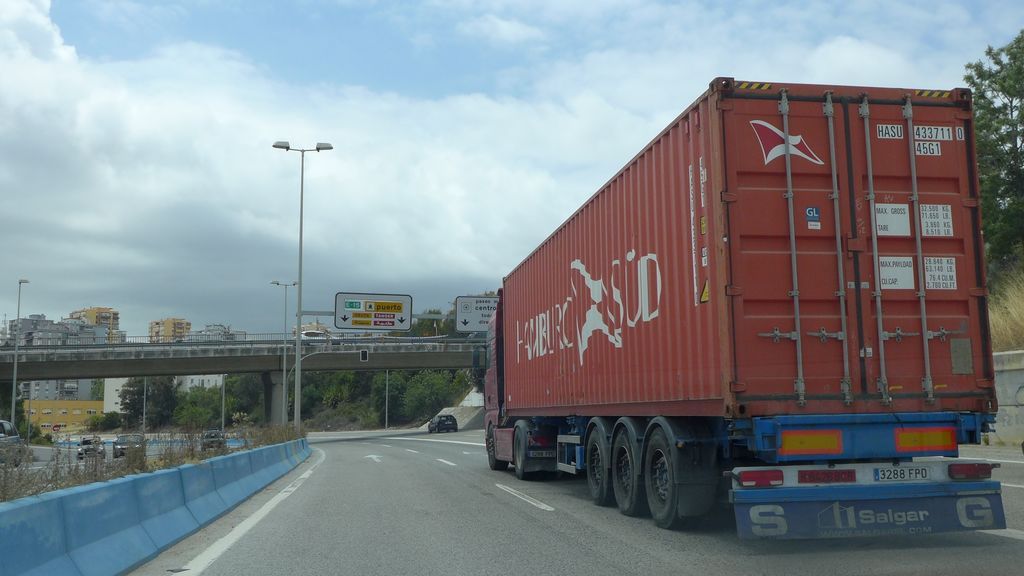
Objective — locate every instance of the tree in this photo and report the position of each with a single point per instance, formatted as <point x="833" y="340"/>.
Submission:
<point x="131" y="402"/>
<point x="998" y="86"/>
<point x="425" y="327"/>
<point x="192" y="417"/>
<point x="161" y="400"/>
<point x="200" y="408"/>
<point x="427" y="392"/>
<point x="96" y="390"/>
<point x="245" y="394"/>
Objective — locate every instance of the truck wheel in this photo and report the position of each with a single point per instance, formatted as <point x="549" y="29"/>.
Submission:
<point x="492" y="459"/>
<point x="519" y="453"/>
<point x="598" y="473"/>
<point x="659" y="481"/>
<point x="629" y="492"/>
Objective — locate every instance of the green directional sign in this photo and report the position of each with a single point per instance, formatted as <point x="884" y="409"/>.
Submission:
<point x="372" y="312"/>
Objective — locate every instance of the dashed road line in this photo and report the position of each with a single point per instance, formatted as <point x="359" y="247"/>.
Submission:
<point x="411" y="450"/>
<point x="526" y="498"/>
<point x="385" y="445"/>
<point x="442" y="460"/>
<point x="441" y="441"/>
<point x="1011" y="485"/>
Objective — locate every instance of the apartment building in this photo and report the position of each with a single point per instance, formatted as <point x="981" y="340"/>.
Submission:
<point x="169" y="330"/>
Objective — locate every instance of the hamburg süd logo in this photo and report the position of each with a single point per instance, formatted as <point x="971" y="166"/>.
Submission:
<point x="773" y="143"/>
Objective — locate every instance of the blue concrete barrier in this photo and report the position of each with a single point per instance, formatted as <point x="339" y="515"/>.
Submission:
<point x="267" y="464"/>
<point x="281" y="457"/>
<point x="162" y="507"/>
<point x="112" y="527"/>
<point x="32" y="537"/>
<point x="289" y="448"/>
<point x="233" y="476"/>
<point x="201" y="497"/>
<point x="104" y="529"/>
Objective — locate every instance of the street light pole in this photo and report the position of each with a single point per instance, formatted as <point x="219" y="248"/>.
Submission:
<point x="222" y="404"/>
<point x="145" y="388"/>
<point x="320" y="147"/>
<point x="284" y="354"/>
<point x="17" y="337"/>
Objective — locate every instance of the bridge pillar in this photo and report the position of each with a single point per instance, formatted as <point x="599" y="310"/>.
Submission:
<point x="275" y="396"/>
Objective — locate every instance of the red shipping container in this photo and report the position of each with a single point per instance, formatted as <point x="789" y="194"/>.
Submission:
<point x="715" y="275"/>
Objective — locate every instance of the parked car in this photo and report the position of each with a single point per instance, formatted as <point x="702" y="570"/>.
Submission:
<point x="213" y="440"/>
<point x="12" y="448"/>
<point x="125" y="442"/>
<point x="91" y="446"/>
<point x="443" y="422"/>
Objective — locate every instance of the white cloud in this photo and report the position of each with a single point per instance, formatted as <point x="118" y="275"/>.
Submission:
<point x="26" y="31"/>
<point x="499" y="30"/>
<point x="150" y="184"/>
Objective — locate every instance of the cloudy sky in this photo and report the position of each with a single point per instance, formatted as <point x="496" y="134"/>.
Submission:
<point x="136" y="168"/>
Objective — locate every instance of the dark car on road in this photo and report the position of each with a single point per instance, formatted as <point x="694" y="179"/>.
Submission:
<point x="443" y="422"/>
<point x="12" y="449"/>
<point x="128" y="442"/>
<point x="213" y="440"/>
<point x="91" y="446"/>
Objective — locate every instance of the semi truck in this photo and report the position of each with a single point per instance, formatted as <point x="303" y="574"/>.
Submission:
<point x="778" y="305"/>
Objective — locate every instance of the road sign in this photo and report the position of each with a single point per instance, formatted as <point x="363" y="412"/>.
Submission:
<point x="473" y="313"/>
<point x="360" y="311"/>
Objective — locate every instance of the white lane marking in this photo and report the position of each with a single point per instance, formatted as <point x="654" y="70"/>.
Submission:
<point x="411" y="450"/>
<point x="446" y="462"/>
<point x="373" y="457"/>
<point x="211" y="554"/>
<point x="1011" y="485"/>
<point x="468" y="452"/>
<point x="442" y="441"/>
<point x="526" y="498"/>
<point x="385" y="445"/>
<point x="1006" y="533"/>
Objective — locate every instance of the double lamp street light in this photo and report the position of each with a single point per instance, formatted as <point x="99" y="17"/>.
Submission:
<point x="320" y="147"/>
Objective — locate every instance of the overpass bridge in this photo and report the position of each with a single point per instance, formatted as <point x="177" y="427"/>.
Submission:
<point x="254" y="354"/>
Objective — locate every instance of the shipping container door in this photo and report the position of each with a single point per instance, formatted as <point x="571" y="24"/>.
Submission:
<point x="925" y="323"/>
<point x="854" y="264"/>
<point x="789" y="222"/>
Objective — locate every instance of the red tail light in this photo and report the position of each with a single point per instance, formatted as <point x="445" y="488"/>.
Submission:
<point x="826" y="476"/>
<point x="760" y="478"/>
<point x="972" y="471"/>
<point x="540" y="440"/>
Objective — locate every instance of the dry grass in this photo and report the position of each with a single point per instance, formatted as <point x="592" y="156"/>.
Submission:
<point x="64" y="470"/>
<point x="1006" y="314"/>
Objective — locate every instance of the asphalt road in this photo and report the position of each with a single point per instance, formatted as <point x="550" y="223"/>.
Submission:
<point x="412" y="503"/>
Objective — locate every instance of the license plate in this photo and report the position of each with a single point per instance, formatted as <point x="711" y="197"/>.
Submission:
<point x="541" y="454"/>
<point x="901" y="474"/>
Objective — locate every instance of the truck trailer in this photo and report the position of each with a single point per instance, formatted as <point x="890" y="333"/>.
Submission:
<point x="779" y="304"/>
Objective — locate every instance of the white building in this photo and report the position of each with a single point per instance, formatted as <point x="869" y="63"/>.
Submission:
<point x="112" y="393"/>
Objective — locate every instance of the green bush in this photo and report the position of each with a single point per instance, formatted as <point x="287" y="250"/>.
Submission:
<point x="1006" y="314"/>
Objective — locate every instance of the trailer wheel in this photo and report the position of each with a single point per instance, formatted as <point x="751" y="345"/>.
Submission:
<point x="492" y="459"/>
<point x="629" y="491"/>
<point x="660" y="482"/>
<point x="519" y="453"/>
<point x="598" y="473"/>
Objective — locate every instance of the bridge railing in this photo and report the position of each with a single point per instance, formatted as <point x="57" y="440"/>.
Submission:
<point x="262" y="341"/>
